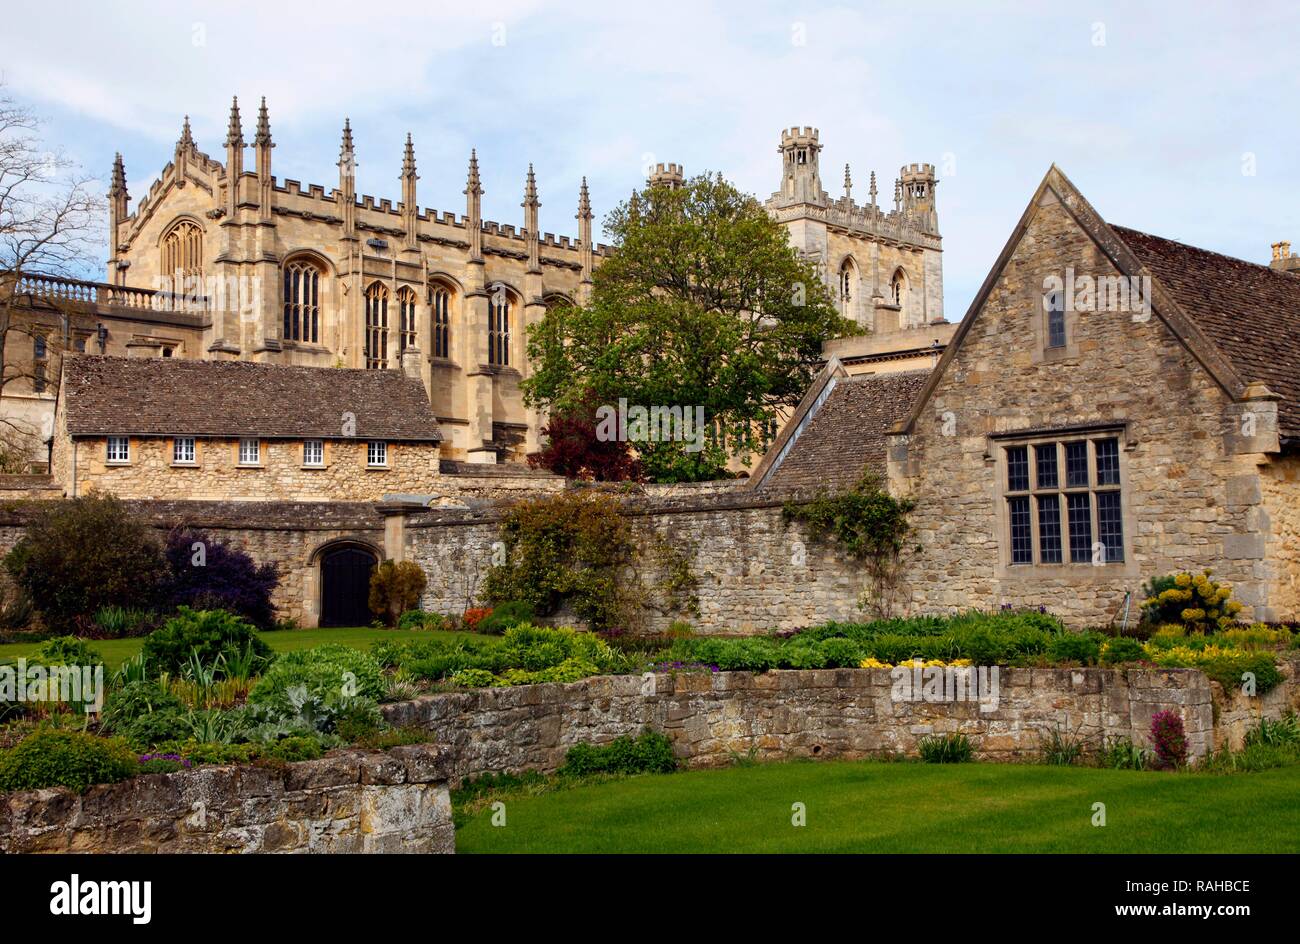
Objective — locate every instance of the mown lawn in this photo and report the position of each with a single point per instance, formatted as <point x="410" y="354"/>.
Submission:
<point x="902" y="807"/>
<point x="117" y="651"/>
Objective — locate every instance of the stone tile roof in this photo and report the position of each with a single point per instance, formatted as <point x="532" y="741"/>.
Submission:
<point x="1249" y="311"/>
<point x="168" y="396"/>
<point x="847" y="434"/>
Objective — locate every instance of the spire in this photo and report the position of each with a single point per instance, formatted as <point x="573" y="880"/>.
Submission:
<point x="530" y="190"/>
<point x="235" y="133"/>
<point x="347" y="156"/>
<point x="474" y="210"/>
<point x="530" y="205"/>
<point x="263" y="138"/>
<point x="408" y="159"/>
<point x="410" y="205"/>
<point x="473" y="186"/>
<point x="873" y="188"/>
<point x="584" y="241"/>
<point x="118" y="187"/>
<point x="584" y="202"/>
<point x="186" y="141"/>
<point x="898" y="195"/>
<point x="848" y="184"/>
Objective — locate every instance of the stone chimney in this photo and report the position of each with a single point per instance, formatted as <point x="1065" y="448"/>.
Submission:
<point x="1283" y="260"/>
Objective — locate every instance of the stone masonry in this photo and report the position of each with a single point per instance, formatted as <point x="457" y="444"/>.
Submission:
<point x="818" y="713"/>
<point x="347" y="802"/>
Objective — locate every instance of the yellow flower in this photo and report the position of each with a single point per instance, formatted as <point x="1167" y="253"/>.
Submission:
<point x="871" y="662"/>
<point x="1183" y="580"/>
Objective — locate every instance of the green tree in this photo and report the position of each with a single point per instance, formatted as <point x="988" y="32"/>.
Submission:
<point x="85" y="553"/>
<point x="703" y="303"/>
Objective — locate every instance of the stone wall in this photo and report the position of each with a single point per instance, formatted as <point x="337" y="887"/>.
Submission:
<point x="350" y="801"/>
<point x="216" y="474"/>
<point x="845" y="713"/>
<point x="752" y="571"/>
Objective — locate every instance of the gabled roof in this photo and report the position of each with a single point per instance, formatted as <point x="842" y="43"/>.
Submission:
<point x="1250" y="312"/>
<point x="841" y="435"/>
<point x="167" y="396"/>
<point x="1239" y="320"/>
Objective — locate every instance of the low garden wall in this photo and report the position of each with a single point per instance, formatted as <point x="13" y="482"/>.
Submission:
<point x="848" y="713"/>
<point x="351" y="801"/>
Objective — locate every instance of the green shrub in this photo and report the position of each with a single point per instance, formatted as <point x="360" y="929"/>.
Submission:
<point x="321" y="681"/>
<point x="1075" y="648"/>
<point x="85" y="553"/>
<point x="1192" y="600"/>
<point x="1059" y="749"/>
<point x="70" y="759"/>
<point x="473" y="678"/>
<point x="568" y="549"/>
<point x="1122" y="649"/>
<point x="144" y="713"/>
<point x="395" y="588"/>
<point x="211" y="752"/>
<point x="649" y="752"/>
<point x="67" y="650"/>
<point x="1122" y="754"/>
<point x="504" y="616"/>
<point x="208" y="635"/>
<point x="1285" y="731"/>
<point x="419" y="619"/>
<point x="293" y="749"/>
<point x="945" y="749"/>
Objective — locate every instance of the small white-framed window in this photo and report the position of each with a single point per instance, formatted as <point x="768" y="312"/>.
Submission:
<point x="376" y="454"/>
<point x="119" y="449"/>
<point x="250" y="451"/>
<point x="313" y="452"/>
<point x="183" y="450"/>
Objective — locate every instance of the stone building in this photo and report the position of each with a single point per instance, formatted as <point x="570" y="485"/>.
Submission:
<point x="222" y="260"/>
<point x="1113" y="406"/>
<point x="163" y="428"/>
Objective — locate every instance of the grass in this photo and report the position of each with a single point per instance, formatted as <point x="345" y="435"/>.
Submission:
<point x="117" y="651"/>
<point x="872" y="806"/>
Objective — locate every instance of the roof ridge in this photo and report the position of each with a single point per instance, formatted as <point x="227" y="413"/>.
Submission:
<point x="1201" y="249"/>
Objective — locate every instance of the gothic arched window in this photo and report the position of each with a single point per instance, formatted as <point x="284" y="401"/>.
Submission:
<point x="376" y="347"/>
<point x="848" y="276"/>
<point x="182" y="251"/>
<point x="302" y="280"/>
<point x="406" y="310"/>
<point x="898" y="292"/>
<point x="499" y="327"/>
<point x="439" y="308"/>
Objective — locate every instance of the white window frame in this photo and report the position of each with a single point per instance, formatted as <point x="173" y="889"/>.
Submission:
<point x="121" y="456"/>
<point x="180" y="446"/>
<point x="317" y="462"/>
<point x="255" y="452"/>
<point x="377" y="454"/>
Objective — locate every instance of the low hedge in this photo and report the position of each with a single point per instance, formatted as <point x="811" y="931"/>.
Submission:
<point x="70" y="759"/>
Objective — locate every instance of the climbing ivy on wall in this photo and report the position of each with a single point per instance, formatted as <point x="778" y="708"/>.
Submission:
<point x="871" y="525"/>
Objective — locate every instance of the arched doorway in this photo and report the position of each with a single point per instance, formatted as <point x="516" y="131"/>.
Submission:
<point x="345" y="585"/>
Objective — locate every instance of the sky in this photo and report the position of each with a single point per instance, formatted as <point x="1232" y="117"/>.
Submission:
<point x="1179" y="119"/>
